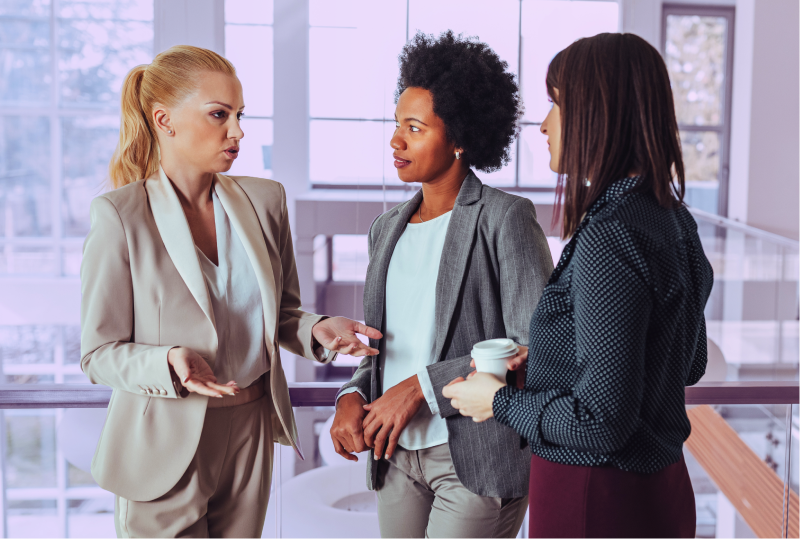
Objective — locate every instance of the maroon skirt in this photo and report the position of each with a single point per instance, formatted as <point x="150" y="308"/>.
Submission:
<point x="585" y="501"/>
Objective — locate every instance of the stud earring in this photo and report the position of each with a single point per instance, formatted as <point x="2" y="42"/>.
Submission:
<point x="169" y="132"/>
<point x="458" y="155"/>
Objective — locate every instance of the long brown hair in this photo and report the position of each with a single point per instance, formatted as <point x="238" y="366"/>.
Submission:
<point x="172" y="76"/>
<point x="617" y="117"/>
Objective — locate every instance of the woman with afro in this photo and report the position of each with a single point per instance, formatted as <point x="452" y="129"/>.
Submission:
<point x="457" y="264"/>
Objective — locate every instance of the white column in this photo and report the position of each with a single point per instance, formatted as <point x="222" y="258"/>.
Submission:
<point x="773" y="187"/>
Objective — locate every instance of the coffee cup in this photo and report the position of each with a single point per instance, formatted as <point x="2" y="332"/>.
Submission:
<point x="491" y="356"/>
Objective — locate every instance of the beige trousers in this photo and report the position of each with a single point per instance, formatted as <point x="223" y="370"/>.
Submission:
<point x="224" y="491"/>
<point x="421" y="496"/>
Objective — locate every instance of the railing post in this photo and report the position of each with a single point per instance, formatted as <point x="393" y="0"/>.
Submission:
<point x="787" y="472"/>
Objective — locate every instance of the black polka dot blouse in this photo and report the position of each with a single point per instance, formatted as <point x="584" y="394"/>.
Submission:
<point x="617" y="335"/>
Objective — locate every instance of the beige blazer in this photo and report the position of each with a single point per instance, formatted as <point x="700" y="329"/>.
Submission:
<point x="143" y="293"/>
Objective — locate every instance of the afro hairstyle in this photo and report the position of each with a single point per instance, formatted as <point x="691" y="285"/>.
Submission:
<point x="473" y="92"/>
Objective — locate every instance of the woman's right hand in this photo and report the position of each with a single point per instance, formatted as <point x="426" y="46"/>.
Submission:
<point x="196" y="375"/>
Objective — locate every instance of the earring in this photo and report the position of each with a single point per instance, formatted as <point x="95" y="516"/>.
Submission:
<point x="169" y="132"/>
<point x="458" y="155"/>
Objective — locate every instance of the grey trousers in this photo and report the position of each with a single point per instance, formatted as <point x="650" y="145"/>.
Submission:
<point x="225" y="490"/>
<point x="421" y="496"/>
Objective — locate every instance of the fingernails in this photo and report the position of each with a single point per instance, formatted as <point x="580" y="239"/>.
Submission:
<point x="219" y="396"/>
<point x="186" y="379"/>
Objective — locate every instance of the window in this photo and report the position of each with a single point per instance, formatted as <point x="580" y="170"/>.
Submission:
<point x="353" y="50"/>
<point x="63" y="64"/>
<point x="697" y="44"/>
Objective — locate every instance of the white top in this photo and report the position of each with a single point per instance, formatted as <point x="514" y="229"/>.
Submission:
<point x="238" y="311"/>
<point x="411" y="324"/>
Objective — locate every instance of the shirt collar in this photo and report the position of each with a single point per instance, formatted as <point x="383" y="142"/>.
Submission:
<point x="613" y="191"/>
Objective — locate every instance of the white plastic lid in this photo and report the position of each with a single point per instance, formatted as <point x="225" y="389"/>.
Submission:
<point x="494" y="349"/>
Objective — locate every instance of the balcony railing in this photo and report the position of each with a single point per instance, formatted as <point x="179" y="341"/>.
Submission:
<point x="731" y="423"/>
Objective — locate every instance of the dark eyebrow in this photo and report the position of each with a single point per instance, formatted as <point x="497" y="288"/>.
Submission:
<point x="413" y="120"/>
<point x="221" y="103"/>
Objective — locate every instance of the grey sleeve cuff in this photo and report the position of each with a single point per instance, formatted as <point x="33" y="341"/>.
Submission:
<point x="427" y="390"/>
<point x="348" y="391"/>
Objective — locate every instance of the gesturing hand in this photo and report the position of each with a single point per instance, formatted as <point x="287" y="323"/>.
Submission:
<point x="390" y="414"/>
<point x="196" y="375"/>
<point x="347" y="431"/>
<point x="339" y="335"/>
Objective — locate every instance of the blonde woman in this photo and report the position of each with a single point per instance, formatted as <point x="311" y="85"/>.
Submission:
<point x="189" y="289"/>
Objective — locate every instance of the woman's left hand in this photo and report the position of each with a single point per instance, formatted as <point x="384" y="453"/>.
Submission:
<point x="338" y="334"/>
<point x="473" y="397"/>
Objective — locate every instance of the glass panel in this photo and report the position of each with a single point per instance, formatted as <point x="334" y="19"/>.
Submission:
<point x="248" y="12"/>
<point x="360" y="155"/>
<point x="534" y="164"/>
<point x="130" y="10"/>
<point x="30" y="449"/>
<point x="91" y="518"/>
<point x="255" y="155"/>
<point x="350" y="257"/>
<point x="24" y="179"/>
<point x="72" y="346"/>
<point x="95" y="55"/>
<point x="33" y="518"/>
<point x="71" y="257"/>
<point x="25" y="60"/>
<point x="85" y="172"/>
<point x="249" y="48"/>
<point x="701" y="155"/>
<point x="495" y="23"/>
<point x="353" y="50"/>
<point x="736" y="457"/>
<point x="695" y="58"/>
<point x="549" y="26"/>
<point x="28" y="259"/>
<point x="27" y="8"/>
<point x="20" y="345"/>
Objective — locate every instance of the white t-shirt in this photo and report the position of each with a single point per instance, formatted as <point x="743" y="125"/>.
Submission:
<point x="411" y="324"/>
<point x="238" y="310"/>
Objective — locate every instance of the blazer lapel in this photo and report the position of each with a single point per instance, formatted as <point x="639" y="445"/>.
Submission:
<point x="174" y="230"/>
<point x="245" y="222"/>
<point x="457" y="248"/>
<point x="375" y="301"/>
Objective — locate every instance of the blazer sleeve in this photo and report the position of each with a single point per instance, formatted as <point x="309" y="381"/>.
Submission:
<point x="525" y="267"/>
<point x="294" y="324"/>
<point x="108" y="356"/>
<point x="362" y="378"/>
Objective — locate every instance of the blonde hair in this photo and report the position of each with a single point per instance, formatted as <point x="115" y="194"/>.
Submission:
<point x="170" y="78"/>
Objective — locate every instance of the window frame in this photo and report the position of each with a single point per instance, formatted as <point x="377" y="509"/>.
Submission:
<point x="723" y="129"/>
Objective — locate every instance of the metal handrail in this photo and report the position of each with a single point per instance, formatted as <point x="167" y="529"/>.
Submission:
<point x="746" y="229"/>
<point x="17" y="396"/>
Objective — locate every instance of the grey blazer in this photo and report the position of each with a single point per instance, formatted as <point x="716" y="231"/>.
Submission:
<point x="494" y="265"/>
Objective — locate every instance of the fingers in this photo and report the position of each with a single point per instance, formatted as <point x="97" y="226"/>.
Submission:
<point x="201" y="388"/>
<point x="367" y="331"/>
<point x="470" y="375"/>
<point x="449" y="391"/>
<point x="370" y="431"/>
<point x="393" y="438"/>
<point x="472" y="364"/>
<point x="341" y="450"/>
<point x="225" y="390"/>
<point x="380" y="441"/>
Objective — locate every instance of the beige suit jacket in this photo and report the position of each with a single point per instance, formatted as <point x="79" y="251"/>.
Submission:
<point x="143" y="293"/>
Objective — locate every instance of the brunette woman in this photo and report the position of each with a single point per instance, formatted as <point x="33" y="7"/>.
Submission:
<point x="619" y="331"/>
<point x="459" y="263"/>
<point x="189" y="288"/>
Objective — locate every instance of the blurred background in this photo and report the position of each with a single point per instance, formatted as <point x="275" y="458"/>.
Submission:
<point x="319" y="78"/>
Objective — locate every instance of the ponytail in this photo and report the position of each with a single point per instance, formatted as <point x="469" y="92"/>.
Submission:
<point x="171" y="77"/>
<point x="136" y="155"/>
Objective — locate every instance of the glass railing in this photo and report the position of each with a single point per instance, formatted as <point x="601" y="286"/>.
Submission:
<point x="742" y="458"/>
<point x="752" y="314"/>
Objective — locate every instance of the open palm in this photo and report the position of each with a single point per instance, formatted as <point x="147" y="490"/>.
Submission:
<point x="338" y="334"/>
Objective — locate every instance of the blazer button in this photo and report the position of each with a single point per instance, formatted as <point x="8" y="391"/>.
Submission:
<point x="163" y="391"/>
<point x="143" y="392"/>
